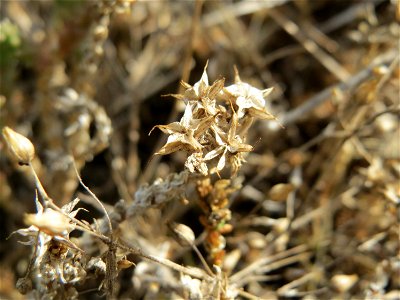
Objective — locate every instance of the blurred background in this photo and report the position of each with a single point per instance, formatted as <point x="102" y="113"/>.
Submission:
<point x="87" y="78"/>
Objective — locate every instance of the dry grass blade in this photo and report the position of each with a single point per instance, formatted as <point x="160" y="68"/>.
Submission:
<point x="355" y="80"/>
<point x="326" y="60"/>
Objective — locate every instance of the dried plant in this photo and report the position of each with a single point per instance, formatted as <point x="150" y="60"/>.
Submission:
<point x="215" y="124"/>
<point x="211" y="124"/>
<point x="291" y="191"/>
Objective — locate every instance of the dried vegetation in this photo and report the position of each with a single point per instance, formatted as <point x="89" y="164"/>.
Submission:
<point x="275" y="176"/>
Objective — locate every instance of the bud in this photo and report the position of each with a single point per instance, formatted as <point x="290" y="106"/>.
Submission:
<point x="281" y="191"/>
<point x="19" y="146"/>
<point x="183" y="234"/>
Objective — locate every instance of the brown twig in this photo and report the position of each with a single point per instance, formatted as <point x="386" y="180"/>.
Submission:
<point x="303" y="110"/>
<point x="325" y="59"/>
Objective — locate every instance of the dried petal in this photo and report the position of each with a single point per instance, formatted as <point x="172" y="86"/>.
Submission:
<point x="261" y="114"/>
<point x="201" y="87"/>
<point x="249" y="97"/>
<point x="221" y="162"/>
<point x="171" y="128"/>
<point x="214" y="153"/>
<point x="203" y="125"/>
<point x="170" y="147"/>
<point x="216" y="88"/>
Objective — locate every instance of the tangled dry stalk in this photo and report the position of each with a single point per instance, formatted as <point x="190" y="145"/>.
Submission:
<point x="275" y="176"/>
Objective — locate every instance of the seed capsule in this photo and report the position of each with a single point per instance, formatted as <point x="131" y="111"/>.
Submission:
<point x="184" y="234"/>
<point x="19" y="146"/>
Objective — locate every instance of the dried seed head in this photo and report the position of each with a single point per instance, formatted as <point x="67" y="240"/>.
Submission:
<point x="215" y="124"/>
<point x="20" y="147"/>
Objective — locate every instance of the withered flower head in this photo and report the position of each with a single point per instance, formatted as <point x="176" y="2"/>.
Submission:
<point x="250" y="99"/>
<point x="181" y="134"/>
<point x="19" y="146"/>
<point x="50" y="221"/>
<point x="215" y="124"/>
<point x="230" y="145"/>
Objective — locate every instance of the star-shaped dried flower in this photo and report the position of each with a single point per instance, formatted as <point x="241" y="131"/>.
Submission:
<point x="184" y="135"/>
<point x="199" y="89"/>
<point x="228" y="144"/>
<point x="202" y="95"/>
<point x="248" y="99"/>
<point x="181" y="135"/>
<point x="215" y="122"/>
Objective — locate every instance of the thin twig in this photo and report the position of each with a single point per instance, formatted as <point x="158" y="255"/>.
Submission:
<point x="325" y="59"/>
<point x="284" y="262"/>
<point x="165" y="262"/>
<point x="256" y="264"/>
<point x="349" y="15"/>
<point x="94" y="197"/>
<point x="385" y="78"/>
<point x="346" y="134"/>
<point x="313" y="102"/>
<point x="332" y="24"/>
<point x="48" y="202"/>
<point x="237" y="10"/>
<point x="33" y="257"/>
<point x="319" y="37"/>
<point x="203" y="261"/>
<point x="40" y="187"/>
<point x="260" y="278"/>
<point x="247" y="295"/>
<point x="285" y="289"/>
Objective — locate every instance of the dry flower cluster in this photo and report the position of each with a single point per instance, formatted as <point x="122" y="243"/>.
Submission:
<point x="215" y="123"/>
<point x="57" y="263"/>
<point x="289" y="192"/>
